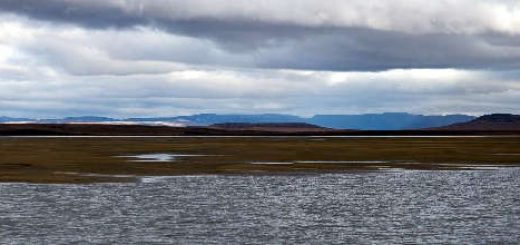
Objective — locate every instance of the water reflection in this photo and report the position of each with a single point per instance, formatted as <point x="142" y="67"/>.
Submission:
<point x="157" y="157"/>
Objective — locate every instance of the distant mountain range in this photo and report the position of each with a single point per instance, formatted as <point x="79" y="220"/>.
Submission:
<point x="14" y="119"/>
<point x="209" y="119"/>
<point x="387" y="121"/>
<point x="496" y="124"/>
<point x="384" y="121"/>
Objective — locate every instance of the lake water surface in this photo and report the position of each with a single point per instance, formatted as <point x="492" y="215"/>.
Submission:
<point x="366" y="207"/>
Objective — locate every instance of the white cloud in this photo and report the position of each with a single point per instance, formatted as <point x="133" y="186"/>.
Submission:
<point x="84" y="52"/>
<point x="198" y="89"/>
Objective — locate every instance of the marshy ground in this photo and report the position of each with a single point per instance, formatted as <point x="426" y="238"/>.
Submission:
<point x="109" y="159"/>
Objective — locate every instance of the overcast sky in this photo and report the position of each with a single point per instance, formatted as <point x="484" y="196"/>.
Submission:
<point x="125" y="58"/>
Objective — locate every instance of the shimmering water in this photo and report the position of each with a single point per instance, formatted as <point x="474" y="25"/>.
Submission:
<point x="381" y="207"/>
<point x="157" y="157"/>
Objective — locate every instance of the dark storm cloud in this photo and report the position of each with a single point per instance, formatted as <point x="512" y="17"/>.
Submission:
<point x="90" y="15"/>
<point x="291" y="44"/>
<point x="294" y="44"/>
<point x="366" y="49"/>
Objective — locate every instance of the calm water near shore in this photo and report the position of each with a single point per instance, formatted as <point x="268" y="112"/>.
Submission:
<point x="382" y="207"/>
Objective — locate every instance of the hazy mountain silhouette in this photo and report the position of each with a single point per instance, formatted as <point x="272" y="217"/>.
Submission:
<point x="14" y="119"/>
<point x="384" y="121"/>
<point x="208" y="119"/>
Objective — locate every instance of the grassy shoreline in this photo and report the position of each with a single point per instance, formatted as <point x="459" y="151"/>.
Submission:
<point x="93" y="160"/>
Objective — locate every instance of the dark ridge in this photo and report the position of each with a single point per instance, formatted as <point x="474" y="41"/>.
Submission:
<point x="32" y="132"/>
<point x="233" y="125"/>
<point x="499" y="118"/>
<point x="141" y="130"/>
<point x="84" y="129"/>
<point x="493" y="122"/>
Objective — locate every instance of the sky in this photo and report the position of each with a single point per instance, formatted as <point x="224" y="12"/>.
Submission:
<point x="127" y="58"/>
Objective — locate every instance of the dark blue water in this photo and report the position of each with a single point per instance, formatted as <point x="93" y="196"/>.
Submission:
<point x="384" y="207"/>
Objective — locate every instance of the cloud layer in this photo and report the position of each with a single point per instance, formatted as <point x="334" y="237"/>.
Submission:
<point x="169" y="57"/>
<point x="449" y="16"/>
<point x="339" y="35"/>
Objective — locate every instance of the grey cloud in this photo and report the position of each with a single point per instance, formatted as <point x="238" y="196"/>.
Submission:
<point x="92" y="15"/>
<point x="413" y="15"/>
<point x="235" y="39"/>
<point x="150" y="51"/>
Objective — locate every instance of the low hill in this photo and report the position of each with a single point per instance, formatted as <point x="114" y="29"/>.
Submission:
<point x="85" y="129"/>
<point x="143" y="130"/>
<point x="267" y="129"/>
<point x="273" y="127"/>
<point x="493" y="122"/>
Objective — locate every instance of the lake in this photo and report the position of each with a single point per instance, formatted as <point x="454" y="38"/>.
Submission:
<point x="383" y="207"/>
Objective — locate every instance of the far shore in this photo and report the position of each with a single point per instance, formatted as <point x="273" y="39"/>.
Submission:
<point x="144" y="130"/>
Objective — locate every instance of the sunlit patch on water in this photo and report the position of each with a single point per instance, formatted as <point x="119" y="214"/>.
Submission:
<point x="315" y="162"/>
<point x="158" y="157"/>
<point x="384" y="165"/>
<point x="506" y="154"/>
<point x="94" y="174"/>
<point x="341" y="162"/>
<point x="271" y="163"/>
<point x="438" y="147"/>
<point x="476" y="166"/>
<point x="154" y="179"/>
<point x="161" y="179"/>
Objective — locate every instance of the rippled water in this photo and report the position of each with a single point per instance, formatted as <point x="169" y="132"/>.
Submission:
<point x="394" y="206"/>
